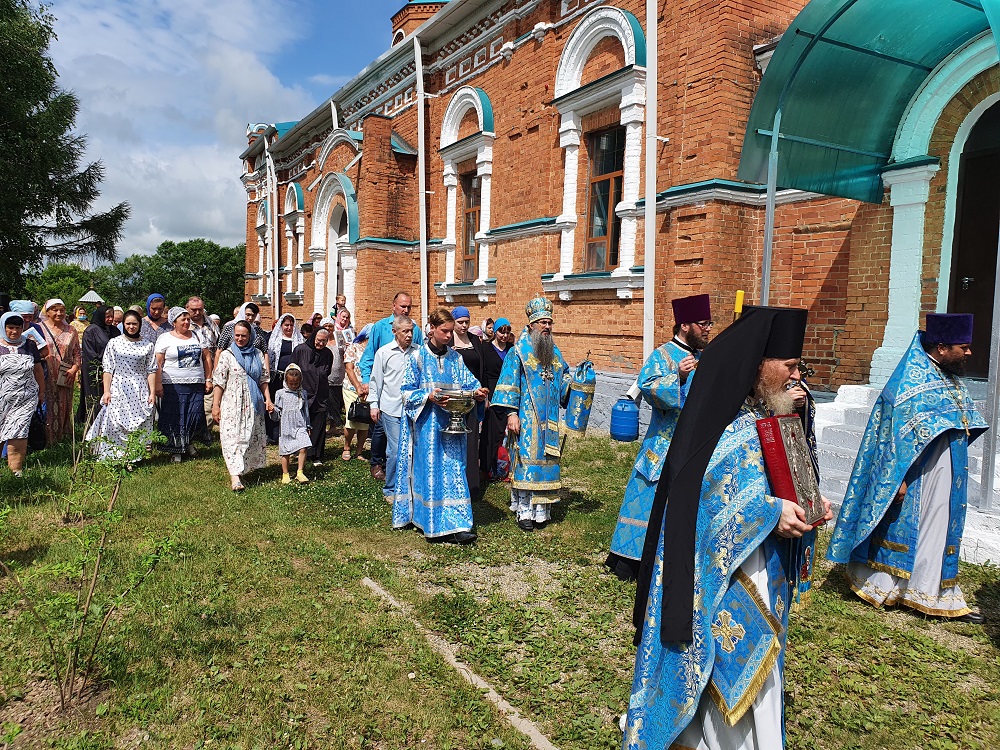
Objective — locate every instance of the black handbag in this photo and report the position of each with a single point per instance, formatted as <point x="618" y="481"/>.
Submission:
<point x="360" y="411"/>
<point x="36" y="431"/>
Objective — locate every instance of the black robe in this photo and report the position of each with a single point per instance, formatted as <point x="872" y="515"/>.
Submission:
<point x="94" y="341"/>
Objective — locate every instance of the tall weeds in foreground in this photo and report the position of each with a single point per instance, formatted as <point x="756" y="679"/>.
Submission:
<point x="69" y="602"/>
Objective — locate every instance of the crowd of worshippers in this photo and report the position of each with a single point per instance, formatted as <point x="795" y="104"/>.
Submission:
<point x="719" y="559"/>
<point x="177" y="369"/>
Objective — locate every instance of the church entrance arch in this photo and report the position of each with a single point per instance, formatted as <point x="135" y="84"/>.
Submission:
<point x="337" y="231"/>
<point x="977" y="230"/>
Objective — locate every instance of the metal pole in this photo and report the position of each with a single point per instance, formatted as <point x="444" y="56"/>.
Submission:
<point x="421" y="179"/>
<point x="772" y="189"/>
<point x="649" y="215"/>
<point x="987" y="501"/>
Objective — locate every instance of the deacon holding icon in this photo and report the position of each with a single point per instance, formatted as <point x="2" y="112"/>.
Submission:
<point x="432" y="492"/>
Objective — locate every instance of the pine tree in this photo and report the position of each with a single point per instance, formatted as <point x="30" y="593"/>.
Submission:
<point x="46" y="211"/>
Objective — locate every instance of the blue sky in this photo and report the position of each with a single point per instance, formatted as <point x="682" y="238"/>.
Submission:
<point x="167" y="88"/>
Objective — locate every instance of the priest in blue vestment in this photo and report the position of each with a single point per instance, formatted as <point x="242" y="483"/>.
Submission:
<point x="664" y="381"/>
<point x="721" y="570"/>
<point x="534" y="383"/>
<point x="432" y="492"/>
<point x="900" y="528"/>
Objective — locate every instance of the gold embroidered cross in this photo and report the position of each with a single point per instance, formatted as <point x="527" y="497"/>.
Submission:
<point x="728" y="632"/>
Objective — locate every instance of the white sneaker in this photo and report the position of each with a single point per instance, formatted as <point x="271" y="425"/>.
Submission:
<point x="317" y="463"/>
<point x="18" y="474"/>
<point x="176" y="458"/>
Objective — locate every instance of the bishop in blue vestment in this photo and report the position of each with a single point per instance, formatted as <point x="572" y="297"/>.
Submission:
<point x="663" y="381"/>
<point x="719" y="575"/>
<point x="534" y="383"/>
<point x="431" y="489"/>
<point x="900" y="528"/>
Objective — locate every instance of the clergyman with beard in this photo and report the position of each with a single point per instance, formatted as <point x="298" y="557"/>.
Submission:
<point x="900" y="528"/>
<point x="720" y="564"/>
<point x="533" y="386"/>
<point x="664" y="382"/>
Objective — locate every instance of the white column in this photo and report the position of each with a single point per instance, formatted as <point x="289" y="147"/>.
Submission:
<point x="451" y="228"/>
<point x="633" y="109"/>
<point x="300" y="243"/>
<point x="349" y="262"/>
<point x="484" y="169"/>
<point x="318" y="257"/>
<point x="909" y="189"/>
<point x="269" y="285"/>
<point x="290" y="255"/>
<point x="260" y="263"/>
<point x="569" y="138"/>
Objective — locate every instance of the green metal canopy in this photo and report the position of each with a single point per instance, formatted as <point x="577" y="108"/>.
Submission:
<point x="839" y="83"/>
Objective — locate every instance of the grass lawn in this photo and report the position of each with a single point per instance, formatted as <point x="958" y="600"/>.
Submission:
<point x="260" y="634"/>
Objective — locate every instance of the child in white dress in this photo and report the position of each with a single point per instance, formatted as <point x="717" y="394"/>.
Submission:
<point x="291" y="406"/>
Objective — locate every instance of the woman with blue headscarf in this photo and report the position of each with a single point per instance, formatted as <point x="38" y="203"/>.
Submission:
<point x="22" y="387"/>
<point x="155" y="324"/>
<point x="241" y="399"/>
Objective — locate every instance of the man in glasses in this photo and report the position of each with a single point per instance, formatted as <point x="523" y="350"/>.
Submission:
<point x="664" y="381"/>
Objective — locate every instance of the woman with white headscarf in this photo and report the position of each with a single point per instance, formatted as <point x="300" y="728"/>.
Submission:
<point x="284" y="338"/>
<point x="128" y="369"/>
<point x="183" y="377"/>
<point x="22" y="387"/>
<point x="62" y="363"/>
<point x="241" y="399"/>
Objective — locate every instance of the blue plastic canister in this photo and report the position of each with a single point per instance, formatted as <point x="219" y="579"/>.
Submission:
<point x="625" y="421"/>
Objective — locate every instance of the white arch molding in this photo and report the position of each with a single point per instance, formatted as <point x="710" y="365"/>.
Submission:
<point x="599" y="24"/>
<point x="323" y="253"/>
<point x="294" y="216"/>
<point x="339" y="243"/>
<point x="262" y="226"/>
<point x="338" y="136"/>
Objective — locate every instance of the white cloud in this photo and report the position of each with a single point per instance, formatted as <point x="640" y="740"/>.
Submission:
<point x="166" y="90"/>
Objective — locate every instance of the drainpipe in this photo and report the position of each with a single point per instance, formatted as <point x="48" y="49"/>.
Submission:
<point x="272" y="211"/>
<point x="649" y="215"/>
<point x="421" y="179"/>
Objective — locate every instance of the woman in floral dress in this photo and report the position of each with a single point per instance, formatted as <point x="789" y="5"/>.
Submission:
<point x="63" y="347"/>
<point x="240" y="400"/>
<point x="129" y="374"/>
<point x="22" y="386"/>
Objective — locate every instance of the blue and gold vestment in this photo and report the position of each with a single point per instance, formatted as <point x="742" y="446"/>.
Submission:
<point x="918" y="405"/>
<point x="738" y="630"/>
<point x="537" y="394"/>
<point x="432" y="492"/>
<point x="661" y="386"/>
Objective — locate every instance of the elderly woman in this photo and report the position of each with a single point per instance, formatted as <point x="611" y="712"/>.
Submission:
<point x="62" y="363"/>
<point x="240" y="401"/>
<point x="184" y="376"/>
<point x="129" y="374"/>
<point x="352" y="386"/>
<point x="22" y="387"/>
<point x="343" y="335"/>
<point x="95" y="341"/>
<point x="79" y="321"/>
<point x="315" y="359"/>
<point x="284" y="338"/>
<point x="156" y="323"/>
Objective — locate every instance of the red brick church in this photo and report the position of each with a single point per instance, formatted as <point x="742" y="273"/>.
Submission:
<point x="496" y="152"/>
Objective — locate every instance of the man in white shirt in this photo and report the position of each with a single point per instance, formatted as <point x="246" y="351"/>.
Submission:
<point x="384" y="395"/>
<point x="207" y="333"/>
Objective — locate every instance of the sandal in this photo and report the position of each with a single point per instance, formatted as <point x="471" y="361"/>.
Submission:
<point x="238" y="486"/>
<point x="346" y="455"/>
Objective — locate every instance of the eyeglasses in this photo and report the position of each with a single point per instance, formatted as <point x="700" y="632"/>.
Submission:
<point x="704" y="323"/>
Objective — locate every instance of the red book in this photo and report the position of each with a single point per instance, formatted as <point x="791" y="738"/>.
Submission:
<point x="789" y="465"/>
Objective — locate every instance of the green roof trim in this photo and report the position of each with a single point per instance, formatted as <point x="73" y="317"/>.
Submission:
<point x="484" y="99"/>
<point x="529" y="224"/>
<point x="284" y="127"/>
<point x="388" y="241"/>
<point x="397" y="143"/>
<point x="840" y="82"/>
<point x="300" y="202"/>
<point x="351" y="199"/>
<point x="916" y="161"/>
<point x="640" y="38"/>
<point x="620" y="73"/>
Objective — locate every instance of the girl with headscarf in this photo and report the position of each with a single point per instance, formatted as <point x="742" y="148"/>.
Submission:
<point x="62" y="363"/>
<point x="352" y="386"/>
<point x="22" y="387"/>
<point x="156" y="323"/>
<point x="95" y="341"/>
<point x="284" y="338"/>
<point x="241" y="399"/>
<point x="184" y="375"/>
<point x="315" y="360"/>
<point x="291" y="414"/>
<point x="128" y="372"/>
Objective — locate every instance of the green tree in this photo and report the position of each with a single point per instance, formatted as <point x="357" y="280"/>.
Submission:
<point x="124" y="283"/>
<point x="46" y="212"/>
<point x="199" y="267"/>
<point x="67" y="281"/>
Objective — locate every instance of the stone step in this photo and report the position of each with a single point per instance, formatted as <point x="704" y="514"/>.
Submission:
<point x="842" y="436"/>
<point x="833" y="484"/>
<point x="857" y="417"/>
<point x="835" y="459"/>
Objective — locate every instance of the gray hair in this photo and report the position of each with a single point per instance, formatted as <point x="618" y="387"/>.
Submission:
<point x="401" y="321"/>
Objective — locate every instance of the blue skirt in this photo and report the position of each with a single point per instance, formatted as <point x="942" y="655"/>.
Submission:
<point x="182" y="415"/>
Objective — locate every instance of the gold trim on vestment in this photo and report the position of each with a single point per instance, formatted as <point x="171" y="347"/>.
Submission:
<point x="507" y="389"/>
<point x="894" y="546"/>
<point x="951" y="549"/>
<point x="675" y="746"/>
<point x="947" y="583"/>
<point x="894" y="599"/>
<point x="950" y="613"/>
<point x="888" y="569"/>
<point x="734" y="714"/>
<point x="570" y="431"/>
<point x="518" y="485"/>
<point x="802" y="602"/>
<point x="583" y="387"/>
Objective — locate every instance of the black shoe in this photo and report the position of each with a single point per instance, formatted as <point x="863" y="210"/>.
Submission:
<point x="526" y="525"/>
<point x="541" y="524"/>
<point x="463" y="537"/>
<point x="973" y="618"/>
